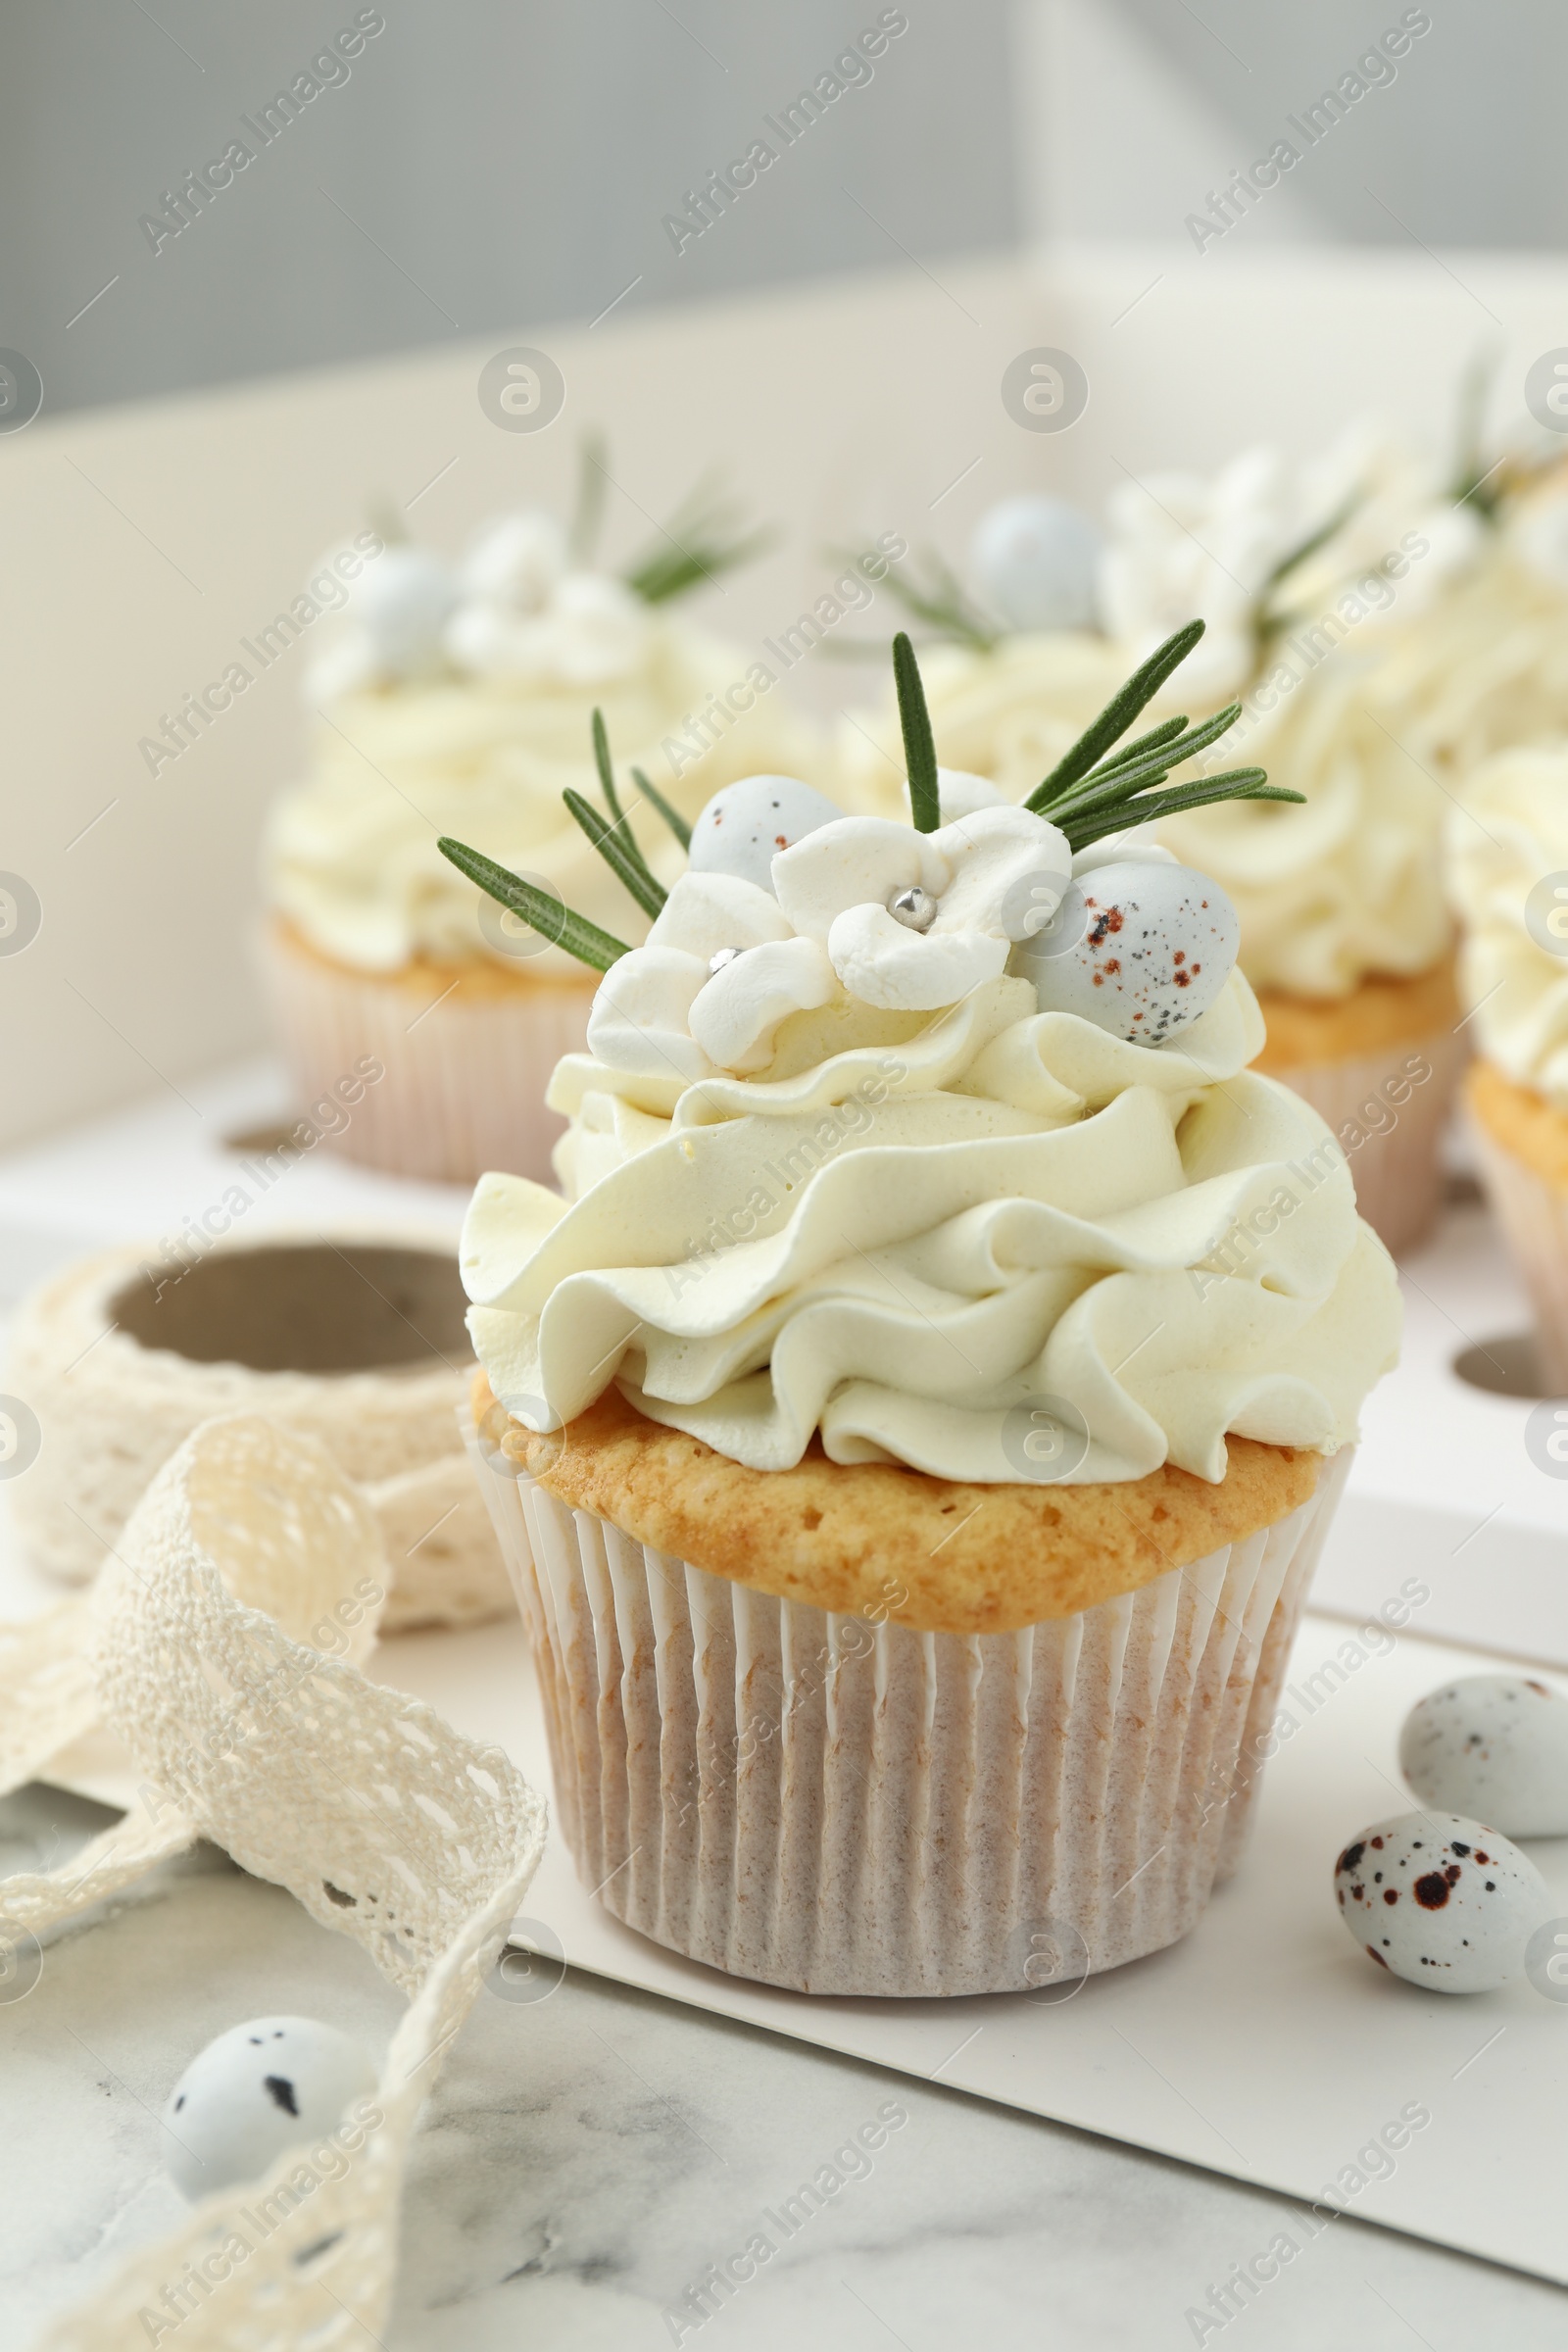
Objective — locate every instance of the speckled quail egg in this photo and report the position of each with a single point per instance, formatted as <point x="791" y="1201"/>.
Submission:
<point x="257" y="2089"/>
<point x="1492" y="1744"/>
<point x="1034" y="561"/>
<point x="743" y="827"/>
<point x="1142" y="949"/>
<point x="1440" y="1900"/>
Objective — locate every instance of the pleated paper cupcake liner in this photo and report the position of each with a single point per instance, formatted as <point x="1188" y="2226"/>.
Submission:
<point x="842" y="1807"/>
<point x="1534" y="1216"/>
<point x="465" y="1064"/>
<point x="1397" y="1165"/>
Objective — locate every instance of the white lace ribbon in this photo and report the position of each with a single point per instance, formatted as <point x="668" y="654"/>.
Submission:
<point x="384" y="1823"/>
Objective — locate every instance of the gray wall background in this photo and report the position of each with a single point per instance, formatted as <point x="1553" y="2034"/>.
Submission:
<point x="490" y="165"/>
<point x="486" y="164"/>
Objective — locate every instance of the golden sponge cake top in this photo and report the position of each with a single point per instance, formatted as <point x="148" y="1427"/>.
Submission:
<point x="875" y="1539"/>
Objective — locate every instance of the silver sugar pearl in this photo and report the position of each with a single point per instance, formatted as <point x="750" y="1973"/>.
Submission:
<point x="720" y="956"/>
<point x="915" y="908"/>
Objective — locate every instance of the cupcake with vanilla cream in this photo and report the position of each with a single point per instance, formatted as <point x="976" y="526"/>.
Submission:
<point x="459" y="702"/>
<point x="913" y="1433"/>
<point x="1507" y="852"/>
<point x="1346" y="934"/>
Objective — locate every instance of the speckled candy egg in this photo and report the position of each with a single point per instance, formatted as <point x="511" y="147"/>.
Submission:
<point x="255" y="2090"/>
<point x="743" y="827"/>
<point x="1441" y="1901"/>
<point x="1492" y="1744"/>
<point x="1034" y="560"/>
<point x="1147" y="946"/>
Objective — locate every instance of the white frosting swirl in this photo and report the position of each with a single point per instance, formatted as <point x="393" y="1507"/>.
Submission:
<point x="905" y="1228"/>
<point x="1507" y="864"/>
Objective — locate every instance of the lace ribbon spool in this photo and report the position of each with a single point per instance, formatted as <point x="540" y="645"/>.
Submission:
<point x="384" y="1823"/>
<point x="353" y="1335"/>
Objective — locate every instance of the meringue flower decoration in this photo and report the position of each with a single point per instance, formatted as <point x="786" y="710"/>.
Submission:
<point x="1384" y="500"/>
<point x="517" y="562"/>
<point x="590" y="631"/>
<point x="523" y="605"/>
<point x="720" y="970"/>
<point x="913" y="921"/>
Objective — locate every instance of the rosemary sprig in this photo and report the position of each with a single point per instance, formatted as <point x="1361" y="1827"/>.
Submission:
<point x="1239" y="784"/>
<point x="1142" y="744"/>
<point x="541" y="911"/>
<point x="588" y="510"/>
<point x="941" y="605"/>
<point x="627" y="866"/>
<point x="1473" y="481"/>
<point x="602" y="762"/>
<point x="701" y="539"/>
<point x="919" y="747"/>
<point x="1116" y="717"/>
<point x="627" y="840"/>
<point x="671" y="816"/>
<point x="1318" y="536"/>
<point x="1088" y="796"/>
<point x="1135" y="773"/>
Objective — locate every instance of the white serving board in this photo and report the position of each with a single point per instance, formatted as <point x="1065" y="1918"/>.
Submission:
<point x="1443" y="1487"/>
<point x="1262" y="2047"/>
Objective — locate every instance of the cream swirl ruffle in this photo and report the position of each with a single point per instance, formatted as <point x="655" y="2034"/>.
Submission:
<point x="914" y="1239"/>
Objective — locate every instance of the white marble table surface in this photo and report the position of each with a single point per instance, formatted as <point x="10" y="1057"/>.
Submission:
<point x="586" y="2156"/>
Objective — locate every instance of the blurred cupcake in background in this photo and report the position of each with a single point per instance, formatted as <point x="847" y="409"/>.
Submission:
<point x="1484" y="664"/>
<point x="460" y="699"/>
<point x="1507" y="866"/>
<point x="1345" y="933"/>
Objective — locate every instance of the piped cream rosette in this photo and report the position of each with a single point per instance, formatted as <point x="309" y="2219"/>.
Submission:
<point x="847" y="1158"/>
